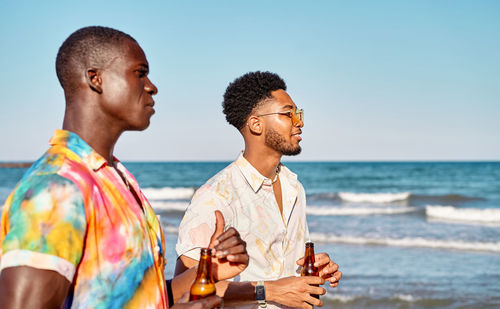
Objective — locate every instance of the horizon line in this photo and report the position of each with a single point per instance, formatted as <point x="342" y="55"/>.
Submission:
<point x="6" y="162"/>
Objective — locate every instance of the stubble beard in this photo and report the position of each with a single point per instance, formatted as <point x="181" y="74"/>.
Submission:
<point x="277" y="142"/>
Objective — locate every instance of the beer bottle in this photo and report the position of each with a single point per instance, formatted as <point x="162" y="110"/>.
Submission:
<point x="204" y="285"/>
<point x="309" y="269"/>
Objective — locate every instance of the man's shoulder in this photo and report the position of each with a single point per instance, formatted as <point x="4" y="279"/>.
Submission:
<point x="46" y="172"/>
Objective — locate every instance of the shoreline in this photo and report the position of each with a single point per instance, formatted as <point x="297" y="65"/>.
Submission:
<point x="15" y="164"/>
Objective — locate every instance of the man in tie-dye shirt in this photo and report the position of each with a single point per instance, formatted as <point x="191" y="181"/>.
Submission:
<point x="261" y="198"/>
<point x="77" y="231"/>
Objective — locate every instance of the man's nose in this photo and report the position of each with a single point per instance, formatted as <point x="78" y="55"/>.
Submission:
<point x="150" y="88"/>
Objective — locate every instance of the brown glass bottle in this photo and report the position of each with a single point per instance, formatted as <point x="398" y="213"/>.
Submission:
<point x="309" y="269"/>
<point x="204" y="285"/>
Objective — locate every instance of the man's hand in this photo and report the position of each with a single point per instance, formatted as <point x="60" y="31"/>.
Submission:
<point x="295" y="291"/>
<point x="327" y="269"/>
<point x="205" y="303"/>
<point x="231" y="256"/>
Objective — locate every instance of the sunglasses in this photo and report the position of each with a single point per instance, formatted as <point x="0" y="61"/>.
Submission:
<point x="296" y="115"/>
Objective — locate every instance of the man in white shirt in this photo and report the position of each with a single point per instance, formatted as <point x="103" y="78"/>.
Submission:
<point x="262" y="199"/>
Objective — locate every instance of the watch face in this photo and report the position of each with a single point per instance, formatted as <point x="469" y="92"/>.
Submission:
<point x="260" y="293"/>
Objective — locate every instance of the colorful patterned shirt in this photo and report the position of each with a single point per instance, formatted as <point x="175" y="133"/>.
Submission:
<point x="247" y="201"/>
<point x="72" y="213"/>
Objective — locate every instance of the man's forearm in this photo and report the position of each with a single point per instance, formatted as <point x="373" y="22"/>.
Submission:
<point x="240" y="293"/>
<point x="182" y="283"/>
<point x="236" y="293"/>
<point x="289" y="291"/>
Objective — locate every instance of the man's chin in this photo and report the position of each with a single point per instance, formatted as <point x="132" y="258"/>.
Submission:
<point x="292" y="152"/>
<point x="138" y="128"/>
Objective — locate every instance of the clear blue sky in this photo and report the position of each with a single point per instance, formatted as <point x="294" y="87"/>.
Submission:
<point x="379" y="80"/>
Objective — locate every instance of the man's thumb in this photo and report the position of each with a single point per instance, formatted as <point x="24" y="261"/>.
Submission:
<point x="219" y="226"/>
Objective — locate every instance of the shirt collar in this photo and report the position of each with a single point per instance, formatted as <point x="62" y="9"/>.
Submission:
<point x="255" y="179"/>
<point x="77" y="145"/>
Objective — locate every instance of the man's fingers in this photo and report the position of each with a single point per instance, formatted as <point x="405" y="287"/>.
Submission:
<point x="314" y="301"/>
<point x="300" y="261"/>
<point x="329" y="269"/>
<point x="227" y="243"/>
<point x="306" y="306"/>
<point x="335" y="277"/>
<point x="321" y="259"/>
<point x="313" y="280"/>
<point x="219" y="228"/>
<point x="238" y="255"/>
<point x="236" y="248"/>
<point x="231" y="232"/>
<point x="316" y="290"/>
<point x="238" y="258"/>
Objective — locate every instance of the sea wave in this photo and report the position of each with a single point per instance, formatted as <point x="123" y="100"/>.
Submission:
<point x="451" y="198"/>
<point x="409" y="242"/>
<point x="346" y="298"/>
<point x="472" y="215"/>
<point x="4" y="194"/>
<point x="170" y="206"/>
<point x="170" y="229"/>
<point x="357" y="211"/>
<point x="343" y="298"/>
<point x="373" y="197"/>
<point x="310" y="210"/>
<point x="388" y="197"/>
<point x="394" y="301"/>
<point x="168" y="193"/>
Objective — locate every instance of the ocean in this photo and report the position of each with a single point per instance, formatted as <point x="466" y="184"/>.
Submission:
<point x="405" y="234"/>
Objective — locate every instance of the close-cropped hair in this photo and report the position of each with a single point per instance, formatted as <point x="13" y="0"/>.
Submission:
<point x="246" y="92"/>
<point x="85" y="48"/>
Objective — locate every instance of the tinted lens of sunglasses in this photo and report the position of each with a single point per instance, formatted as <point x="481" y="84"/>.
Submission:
<point x="300" y="114"/>
<point x="297" y="116"/>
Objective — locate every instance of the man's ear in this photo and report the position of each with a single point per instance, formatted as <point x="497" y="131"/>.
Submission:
<point x="94" y="80"/>
<point x="255" y="125"/>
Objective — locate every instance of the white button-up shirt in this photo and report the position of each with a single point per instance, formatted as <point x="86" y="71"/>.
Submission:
<point x="247" y="201"/>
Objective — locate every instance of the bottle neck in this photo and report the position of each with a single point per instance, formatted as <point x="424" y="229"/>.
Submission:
<point x="309" y="254"/>
<point x="205" y="268"/>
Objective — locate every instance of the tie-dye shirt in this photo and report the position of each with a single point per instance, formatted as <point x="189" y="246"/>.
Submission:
<point x="72" y="213"/>
<point x="247" y="201"/>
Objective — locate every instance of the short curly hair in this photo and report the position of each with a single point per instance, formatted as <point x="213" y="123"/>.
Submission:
<point x="85" y="48"/>
<point x="246" y="92"/>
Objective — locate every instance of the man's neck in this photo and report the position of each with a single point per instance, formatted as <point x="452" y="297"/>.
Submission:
<point x="93" y="130"/>
<point x="265" y="162"/>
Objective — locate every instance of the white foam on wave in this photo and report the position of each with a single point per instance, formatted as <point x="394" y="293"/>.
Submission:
<point x="169" y="206"/>
<point x="168" y="193"/>
<point x="343" y="298"/>
<point x="357" y="211"/>
<point x="405" y="297"/>
<point x="464" y="215"/>
<point x="409" y="242"/>
<point x="374" y="197"/>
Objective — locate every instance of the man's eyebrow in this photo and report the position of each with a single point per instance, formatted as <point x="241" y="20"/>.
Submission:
<point x="144" y="66"/>
<point x="287" y="107"/>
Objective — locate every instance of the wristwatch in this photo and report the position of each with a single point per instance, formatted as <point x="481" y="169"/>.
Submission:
<point x="260" y="294"/>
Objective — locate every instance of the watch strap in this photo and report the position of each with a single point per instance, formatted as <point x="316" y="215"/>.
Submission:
<point x="260" y="294"/>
